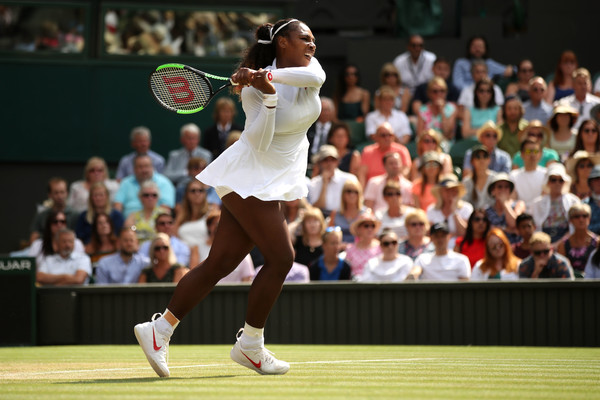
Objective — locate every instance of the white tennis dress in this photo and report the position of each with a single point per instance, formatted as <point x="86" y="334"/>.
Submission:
<point x="269" y="160"/>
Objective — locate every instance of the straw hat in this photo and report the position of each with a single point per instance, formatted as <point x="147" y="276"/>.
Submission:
<point x="535" y="123"/>
<point x="578" y="156"/>
<point x="500" y="177"/>
<point x="448" y="181"/>
<point x="489" y="126"/>
<point x="563" y="109"/>
<point x="367" y="216"/>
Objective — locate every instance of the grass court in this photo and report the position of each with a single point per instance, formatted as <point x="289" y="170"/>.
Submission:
<point x="317" y="372"/>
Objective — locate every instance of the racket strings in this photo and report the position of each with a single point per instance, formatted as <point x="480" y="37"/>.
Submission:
<point x="180" y="89"/>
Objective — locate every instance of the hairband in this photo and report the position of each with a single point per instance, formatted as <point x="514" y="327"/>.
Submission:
<point x="272" y="34"/>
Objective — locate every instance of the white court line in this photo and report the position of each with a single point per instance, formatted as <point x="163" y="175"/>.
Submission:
<point x="455" y="361"/>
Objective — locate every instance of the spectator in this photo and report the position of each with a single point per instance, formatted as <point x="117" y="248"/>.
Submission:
<point x="562" y="136"/>
<point x="142" y="221"/>
<point x="339" y="137"/>
<point x="489" y="135"/>
<point x="580" y="244"/>
<point x="415" y="64"/>
<point x="536" y="132"/>
<point x="499" y="262"/>
<point x="520" y="88"/>
<point x="525" y="227"/>
<point x="127" y="199"/>
<point x="441" y="68"/>
<point x="203" y="248"/>
<point x="194" y="167"/>
<point x="512" y="125"/>
<point x="550" y="210"/>
<point x="385" y="112"/>
<point x="443" y="264"/>
<point x="437" y="113"/>
<point x="449" y="208"/>
<point x="298" y="273"/>
<point x="479" y="71"/>
<point x="581" y="99"/>
<point x="543" y="261"/>
<point x="503" y="212"/>
<point x="325" y="190"/>
<point x="95" y="171"/>
<point x="389" y="76"/>
<point x="417" y="242"/>
<point x="57" y="194"/>
<point x="215" y="137"/>
<point x="587" y="138"/>
<point x="308" y="245"/>
<point x="594" y="200"/>
<point x="366" y="246"/>
<point x="98" y="202"/>
<point x="477" y="49"/>
<point x="66" y="266"/>
<point x="374" y="198"/>
<point x="477" y="183"/>
<point x="392" y="218"/>
<point x="472" y="244"/>
<point x="389" y="266"/>
<point x="352" y="102"/>
<point x="537" y="107"/>
<point x="330" y="266"/>
<point x="579" y="167"/>
<point x="125" y="266"/>
<point x="164" y="224"/>
<point x="163" y="263"/>
<point x="372" y="155"/>
<point x="190" y="223"/>
<point x="140" y="142"/>
<point x="430" y="140"/>
<point x="46" y="245"/>
<point x="562" y="84"/>
<point x="430" y="170"/>
<point x="176" y="168"/>
<point x="318" y="132"/>
<point x="103" y="241"/>
<point x="529" y="180"/>
<point x="350" y="208"/>
<point x="484" y="109"/>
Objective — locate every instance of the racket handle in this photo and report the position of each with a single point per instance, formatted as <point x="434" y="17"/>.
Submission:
<point x="232" y="82"/>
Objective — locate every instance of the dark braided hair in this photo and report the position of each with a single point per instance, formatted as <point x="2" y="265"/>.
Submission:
<point x="262" y="55"/>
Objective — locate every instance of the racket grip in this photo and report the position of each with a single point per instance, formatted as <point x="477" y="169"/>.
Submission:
<point x="232" y="82"/>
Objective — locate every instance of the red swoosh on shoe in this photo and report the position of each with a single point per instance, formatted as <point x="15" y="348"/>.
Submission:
<point x="156" y="348"/>
<point x="253" y="363"/>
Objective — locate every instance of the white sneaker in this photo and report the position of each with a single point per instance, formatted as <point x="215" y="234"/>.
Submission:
<point x="260" y="360"/>
<point x="154" y="345"/>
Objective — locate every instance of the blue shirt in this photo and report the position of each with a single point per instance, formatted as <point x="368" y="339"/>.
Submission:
<point x="499" y="161"/>
<point x="318" y="271"/>
<point x="542" y="113"/>
<point x="112" y="269"/>
<point x="181" y="250"/>
<point x="461" y="73"/>
<point x="176" y="168"/>
<point x="125" y="167"/>
<point x="129" y="190"/>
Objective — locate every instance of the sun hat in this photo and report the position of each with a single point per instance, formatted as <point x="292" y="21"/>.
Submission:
<point x="557" y="169"/>
<point x="367" y="216"/>
<point x="595" y="173"/>
<point x="430" y="156"/>
<point x="489" y="126"/>
<point x="500" y="177"/>
<point x="448" y="181"/>
<point x="325" y="151"/>
<point x="578" y="156"/>
<point x="534" y="123"/>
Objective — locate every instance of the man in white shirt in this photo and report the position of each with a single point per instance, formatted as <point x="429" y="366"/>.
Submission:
<point x="393" y="171"/>
<point x="387" y="113"/>
<point x="444" y="264"/>
<point x="415" y="64"/>
<point x="479" y="70"/>
<point x="529" y="180"/>
<point x="325" y="190"/>
<point x="581" y="100"/>
<point x="65" y="267"/>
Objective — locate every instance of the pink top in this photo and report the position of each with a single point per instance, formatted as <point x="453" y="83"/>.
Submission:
<point x="357" y="258"/>
<point x="372" y="157"/>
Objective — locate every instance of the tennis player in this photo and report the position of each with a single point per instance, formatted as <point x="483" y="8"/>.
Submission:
<point x="266" y="166"/>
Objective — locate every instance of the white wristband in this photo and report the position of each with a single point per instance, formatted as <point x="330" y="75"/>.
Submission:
<point x="270" y="100"/>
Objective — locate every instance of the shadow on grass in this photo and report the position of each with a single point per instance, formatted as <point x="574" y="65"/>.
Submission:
<point x="128" y="381"/>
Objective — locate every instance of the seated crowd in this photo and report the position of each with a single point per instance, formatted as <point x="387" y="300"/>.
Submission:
<point x="491" y="173"/>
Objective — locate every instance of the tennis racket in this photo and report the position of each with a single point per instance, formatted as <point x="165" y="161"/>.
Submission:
<point x="183" y="89"/>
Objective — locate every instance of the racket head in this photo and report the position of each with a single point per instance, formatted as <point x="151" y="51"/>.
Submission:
<point x="179" y="88"/>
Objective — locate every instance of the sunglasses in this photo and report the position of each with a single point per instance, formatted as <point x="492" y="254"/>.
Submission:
<point x="531" y="151"/>
<point x="478" y="219"/>
<point x="350" y="191"/>
<point x="333" y="229"/>
<point x="556" y="180"/>
<point x="589" y="130"/>
<point x="390" y="194"/>
<point x="158" y="248"/>
<point x="428" y="141"/>
<point x="501" y="186"/>
<point x="59" y="221"/>
<point x="438" y="91"/>
<point x="490" y="135"/>
<point x="538" y="135"/>
<point x="96" y="170"/>
<point x="196" y="190"/>
<point x="387" y="244"/>
<point x="481" y="156"/>
<point x="540" y="252"/>
<point x="417" y="224"/>
<point x="368" y="226"/>
<point x="387" y="74"/>
<point x="164" y="223"/>
<point x="585" y="165"/>
<point x="153" y="195"/>
<point x="580" y="216"/>
<point x="538" y="89"/>
<point x="484" y="91"/>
